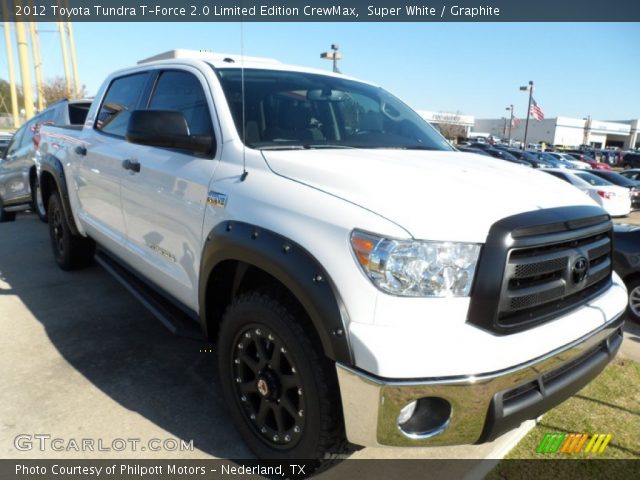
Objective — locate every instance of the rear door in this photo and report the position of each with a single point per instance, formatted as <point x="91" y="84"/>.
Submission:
<point x="164" y="203"/>
<point x="100" y="171"/>
<point x="14" y="169"/>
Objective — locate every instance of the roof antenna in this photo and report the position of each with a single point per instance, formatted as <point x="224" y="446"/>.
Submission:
<point x="243" y="177"/>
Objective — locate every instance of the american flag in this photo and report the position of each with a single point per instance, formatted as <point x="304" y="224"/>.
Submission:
<point x="536" y="110"/>
<point x="515" y="122"/>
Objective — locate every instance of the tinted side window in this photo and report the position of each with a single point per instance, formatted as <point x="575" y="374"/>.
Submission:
<point x="560" y="176"/>
<point x="15" y="141"/>
<point x="119" y="102"/>
<point x="78" y="113"/>
<point x="182" y="92"/>
<point x="29" y="132"/>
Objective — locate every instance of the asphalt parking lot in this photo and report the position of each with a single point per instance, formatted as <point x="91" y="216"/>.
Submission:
<point x="81" y="358"/>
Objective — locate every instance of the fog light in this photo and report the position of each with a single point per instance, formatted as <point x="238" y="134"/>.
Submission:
<point x="406" y="412"/>
<point x="425" y="417"/>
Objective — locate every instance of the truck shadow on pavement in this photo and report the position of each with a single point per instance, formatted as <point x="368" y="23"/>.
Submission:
<point x="116" y="344"/>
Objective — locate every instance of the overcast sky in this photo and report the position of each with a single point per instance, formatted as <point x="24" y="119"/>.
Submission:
<point x="579" y="69"/>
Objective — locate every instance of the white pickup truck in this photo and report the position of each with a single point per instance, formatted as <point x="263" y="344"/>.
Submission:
<point x="366" y="283"/>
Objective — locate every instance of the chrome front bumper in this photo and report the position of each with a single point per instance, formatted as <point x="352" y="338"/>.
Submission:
<point x="482" y="406"/>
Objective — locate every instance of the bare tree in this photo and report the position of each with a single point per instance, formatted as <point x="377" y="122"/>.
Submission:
<point x="449" y="125"/>
<point x="5" y="96"/>
<point x="56" y="89"/>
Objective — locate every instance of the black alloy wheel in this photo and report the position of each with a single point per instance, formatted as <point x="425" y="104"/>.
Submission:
<point x="268" y="386"/>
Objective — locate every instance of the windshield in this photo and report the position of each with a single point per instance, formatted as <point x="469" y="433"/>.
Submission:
<point x="286" y="110"/>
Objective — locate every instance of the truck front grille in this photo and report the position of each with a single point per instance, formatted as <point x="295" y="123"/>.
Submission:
<point x="541" y="280"/>
<point x="539" y="265"/>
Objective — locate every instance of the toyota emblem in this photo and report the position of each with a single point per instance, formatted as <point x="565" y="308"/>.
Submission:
<point x="580" y="269"/>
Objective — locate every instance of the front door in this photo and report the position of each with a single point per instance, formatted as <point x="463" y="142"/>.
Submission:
<point x="164" y="202"/>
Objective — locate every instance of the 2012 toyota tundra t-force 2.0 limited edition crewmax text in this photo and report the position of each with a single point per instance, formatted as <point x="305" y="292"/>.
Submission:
<point x="366" y="283"/>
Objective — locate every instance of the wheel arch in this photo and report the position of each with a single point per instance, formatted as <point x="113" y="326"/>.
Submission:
<point x="238" y="257"/>
<point x="52" y="179"/>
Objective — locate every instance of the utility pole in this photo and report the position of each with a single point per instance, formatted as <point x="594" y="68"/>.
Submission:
<point x="334" y="55"/>
<point x="587" y="130"/>
<point x="65" y="55"/>
<point x="23" y="57"/>
<point x="37" y="64"/>
<point x="74" y="63"/>
<point x="12" y="76"/>
<point x="510" y="108"/>
<point x="526" y="125"/>
<point x="65" y="51"/>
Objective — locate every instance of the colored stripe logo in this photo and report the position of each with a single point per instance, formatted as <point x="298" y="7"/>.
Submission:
<point x="574" y="443"/>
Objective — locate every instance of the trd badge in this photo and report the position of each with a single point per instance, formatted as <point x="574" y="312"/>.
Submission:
<point x="217" y="199"/>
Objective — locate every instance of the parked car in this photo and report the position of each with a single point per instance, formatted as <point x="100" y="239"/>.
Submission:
<point x="626" y="262"/>
<point x="5" y="139"/>
<point x="553" y="161"/>
<point x="631" y="160"/>
<point x="479" y="151"/>
<point x="504" y="155"/>
<point x="631" y="174"/>
<point x="577" y="154"/>
<point x="571" y="160"/>
<point x="529" y="157"/>
<point x="612" y="198"/>
<point x="19" y="186"/>
<point x="346" y="305"/>
<point x="622" y="181"/>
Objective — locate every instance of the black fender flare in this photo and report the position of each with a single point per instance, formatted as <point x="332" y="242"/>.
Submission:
<point x="291" y="265"/>
<point x="51" y="166"/>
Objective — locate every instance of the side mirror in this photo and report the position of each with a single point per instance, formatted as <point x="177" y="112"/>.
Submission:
<point x="166" y="129"/>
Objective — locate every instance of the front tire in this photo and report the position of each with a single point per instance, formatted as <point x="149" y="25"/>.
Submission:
<point x="633" y="308"/>
<point x="37" y="202"/>
<point x="70" y="251"/>
<point x="281" y="389"/>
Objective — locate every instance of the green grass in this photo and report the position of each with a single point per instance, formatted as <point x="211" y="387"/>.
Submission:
<point x="609" y="404"/>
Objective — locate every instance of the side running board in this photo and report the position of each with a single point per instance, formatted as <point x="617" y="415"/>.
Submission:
<point x="178" y="320"/>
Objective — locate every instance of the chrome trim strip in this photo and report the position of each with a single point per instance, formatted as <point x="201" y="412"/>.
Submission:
<point x="371" y="404"/>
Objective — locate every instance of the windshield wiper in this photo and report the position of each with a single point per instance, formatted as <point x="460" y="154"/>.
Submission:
<point x="282" y="147"/>
<point x="327" y="145"/>
<point x="304" y="146"/>
<point x="417" y="147"/>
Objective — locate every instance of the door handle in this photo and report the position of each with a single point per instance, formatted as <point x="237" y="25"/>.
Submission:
<point x="80" y="150"/>
<point x="131" y="165"/>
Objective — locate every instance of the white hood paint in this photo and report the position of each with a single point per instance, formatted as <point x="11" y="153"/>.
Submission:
<point x="433" y="195"/>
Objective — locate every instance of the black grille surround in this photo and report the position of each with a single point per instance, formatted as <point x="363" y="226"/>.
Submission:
<point x="536" y="266"/>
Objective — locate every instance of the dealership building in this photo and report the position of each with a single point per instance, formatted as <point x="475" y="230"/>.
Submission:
<point x="439" y="119"/>
<point x="568" y="131"/>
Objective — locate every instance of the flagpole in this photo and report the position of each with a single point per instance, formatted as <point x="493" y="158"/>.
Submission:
<point x="526" y="125"/>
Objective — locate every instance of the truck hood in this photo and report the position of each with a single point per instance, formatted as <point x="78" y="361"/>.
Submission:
<point x="431" y="194"/>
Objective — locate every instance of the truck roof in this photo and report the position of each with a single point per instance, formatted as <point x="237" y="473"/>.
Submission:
<point x="228" y="60"/>
<point x="208" y="56"/>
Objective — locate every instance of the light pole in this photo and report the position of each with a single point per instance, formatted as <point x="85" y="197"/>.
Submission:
<point x="510" y="108"/>
<point x="587" y="130"/>
<point x="334" y="55"/>
<point x="526" y="125"/>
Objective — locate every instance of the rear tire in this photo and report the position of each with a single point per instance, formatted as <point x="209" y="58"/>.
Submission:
<point x="6" y="216"/>
<point x="633" y="307"/>
<point x="71" y="251"/>
<point x="281" y="389"/>
<point x="37" y="202"/>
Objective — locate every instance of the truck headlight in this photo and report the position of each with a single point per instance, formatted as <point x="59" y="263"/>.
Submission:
<point x="415" y="268"/>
